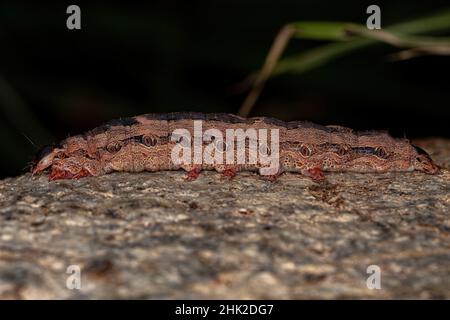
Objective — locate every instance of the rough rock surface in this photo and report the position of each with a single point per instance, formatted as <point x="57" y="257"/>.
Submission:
<point x="153" y="235"/>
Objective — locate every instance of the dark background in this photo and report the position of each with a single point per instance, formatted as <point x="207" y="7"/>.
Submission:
<point x="177" y="55"/>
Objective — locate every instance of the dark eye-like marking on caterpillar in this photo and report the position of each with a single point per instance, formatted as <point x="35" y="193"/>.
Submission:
<point x="264" y="150"/>
<point x="342" y="150"/>
<point x="221" y="146"/>
<point x="148" y="141"/>
<point x="114" y="147"/>
<point x="305" y="151"/>
<point x="380" y="152"/>
<point x="184" y="141"/>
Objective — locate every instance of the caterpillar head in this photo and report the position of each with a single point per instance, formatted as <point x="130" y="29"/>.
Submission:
<point x="45" y="156"/>
<point x="422" y="162"/>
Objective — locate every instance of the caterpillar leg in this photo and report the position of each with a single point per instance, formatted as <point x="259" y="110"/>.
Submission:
<point x="271" y="177"/>
<point x="193" y="173"/>
<point x="229" y="173"/>
<point x="316" y="174"/>
<point x="73" y="169"/>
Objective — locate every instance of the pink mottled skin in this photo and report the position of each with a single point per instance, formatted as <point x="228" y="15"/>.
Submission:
<point x="143" y="143"/>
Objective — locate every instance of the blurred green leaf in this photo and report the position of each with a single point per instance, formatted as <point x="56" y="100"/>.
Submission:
<point x="320" y="30"/>
<point x="357" y="36"/>
<point x="316" y="57"/>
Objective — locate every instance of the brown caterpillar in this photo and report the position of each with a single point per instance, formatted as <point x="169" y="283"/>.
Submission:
<point x="147" y="142"/>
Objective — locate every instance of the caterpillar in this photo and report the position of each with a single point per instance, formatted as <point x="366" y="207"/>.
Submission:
<point x="228" y="144"/>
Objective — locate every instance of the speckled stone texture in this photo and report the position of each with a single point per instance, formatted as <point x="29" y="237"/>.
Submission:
<point x="153" y="235"/>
